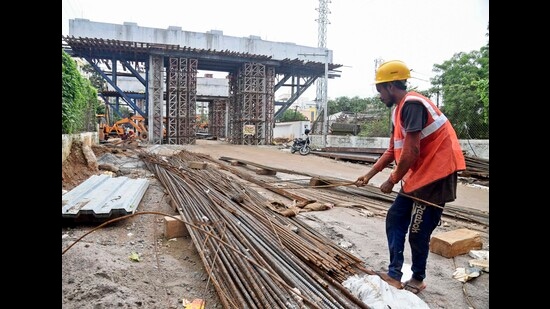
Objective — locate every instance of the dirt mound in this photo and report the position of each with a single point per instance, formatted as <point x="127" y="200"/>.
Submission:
<point x="82" y="163"/>
<point x="78" y="166"/>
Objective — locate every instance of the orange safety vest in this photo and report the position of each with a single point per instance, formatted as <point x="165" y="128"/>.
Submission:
<point x="440" y="153"/>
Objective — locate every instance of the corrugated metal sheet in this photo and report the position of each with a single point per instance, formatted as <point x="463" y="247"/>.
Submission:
<point x="102" y="197"/>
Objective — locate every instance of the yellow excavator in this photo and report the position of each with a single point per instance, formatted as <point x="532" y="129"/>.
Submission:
<point x="130" y="127"/>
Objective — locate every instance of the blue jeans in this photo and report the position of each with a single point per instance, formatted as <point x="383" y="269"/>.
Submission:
<point x="406" y="215"/>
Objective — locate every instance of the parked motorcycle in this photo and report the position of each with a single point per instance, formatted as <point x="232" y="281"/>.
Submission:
<point x="302" y="145"/>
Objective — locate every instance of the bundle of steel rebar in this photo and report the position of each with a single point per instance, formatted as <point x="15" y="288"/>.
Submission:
<point x="255" y="257"/>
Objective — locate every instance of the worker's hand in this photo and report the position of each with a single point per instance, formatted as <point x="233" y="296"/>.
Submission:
<point x="362" y="180"/>
<point x="387" y="186"/>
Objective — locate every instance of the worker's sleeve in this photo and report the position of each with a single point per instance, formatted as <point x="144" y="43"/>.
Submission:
<point x="386" y="158"/>
<point x="413" y="116"/>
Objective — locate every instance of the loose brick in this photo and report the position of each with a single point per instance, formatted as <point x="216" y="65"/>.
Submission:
<point x="174" y="228"/>
<point x="457" y="242"/>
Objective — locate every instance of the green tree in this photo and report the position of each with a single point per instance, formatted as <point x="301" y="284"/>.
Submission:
<point x="292" y="115"/>
<point x="482" y="84"/>
<point x="101" y="109"/>
<point x="346" y="104"/>
<point x="377" y="120"/>
<point x="95" y="78"/>
<point x="78" y="99"/>
<point x="463" y="82"/>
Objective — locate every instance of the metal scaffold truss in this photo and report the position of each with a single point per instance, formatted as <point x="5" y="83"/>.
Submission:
<point x="217" y="118"/>
<point x="181" y="101"/>
<point x="252" y="112"/>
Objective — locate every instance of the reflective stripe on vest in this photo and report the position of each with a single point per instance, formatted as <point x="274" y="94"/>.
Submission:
<point x="439" y="121"/>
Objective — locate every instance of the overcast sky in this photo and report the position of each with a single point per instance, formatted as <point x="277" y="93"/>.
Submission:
<point x="421" y="32"/>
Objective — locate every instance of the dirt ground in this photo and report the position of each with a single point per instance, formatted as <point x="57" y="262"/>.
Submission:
<point x="98" y="272"/>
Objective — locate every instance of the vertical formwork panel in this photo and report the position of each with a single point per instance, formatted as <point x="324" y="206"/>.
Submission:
<point x="155" y="91"/>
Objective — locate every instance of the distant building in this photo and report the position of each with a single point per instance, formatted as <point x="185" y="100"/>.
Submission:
<point x="309" y="110"/>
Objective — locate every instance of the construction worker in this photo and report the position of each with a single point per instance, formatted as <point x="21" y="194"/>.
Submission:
<point x="427" y="157"/>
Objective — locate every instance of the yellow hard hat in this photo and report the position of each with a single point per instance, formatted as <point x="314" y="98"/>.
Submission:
<point x="392" y="70"/>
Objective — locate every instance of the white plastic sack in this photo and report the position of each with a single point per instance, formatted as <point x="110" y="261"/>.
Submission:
<point x="479" y="254"/>
<point x="378" y="294"/>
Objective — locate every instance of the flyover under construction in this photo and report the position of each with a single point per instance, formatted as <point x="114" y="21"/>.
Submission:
<point x="166" y="61"/>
